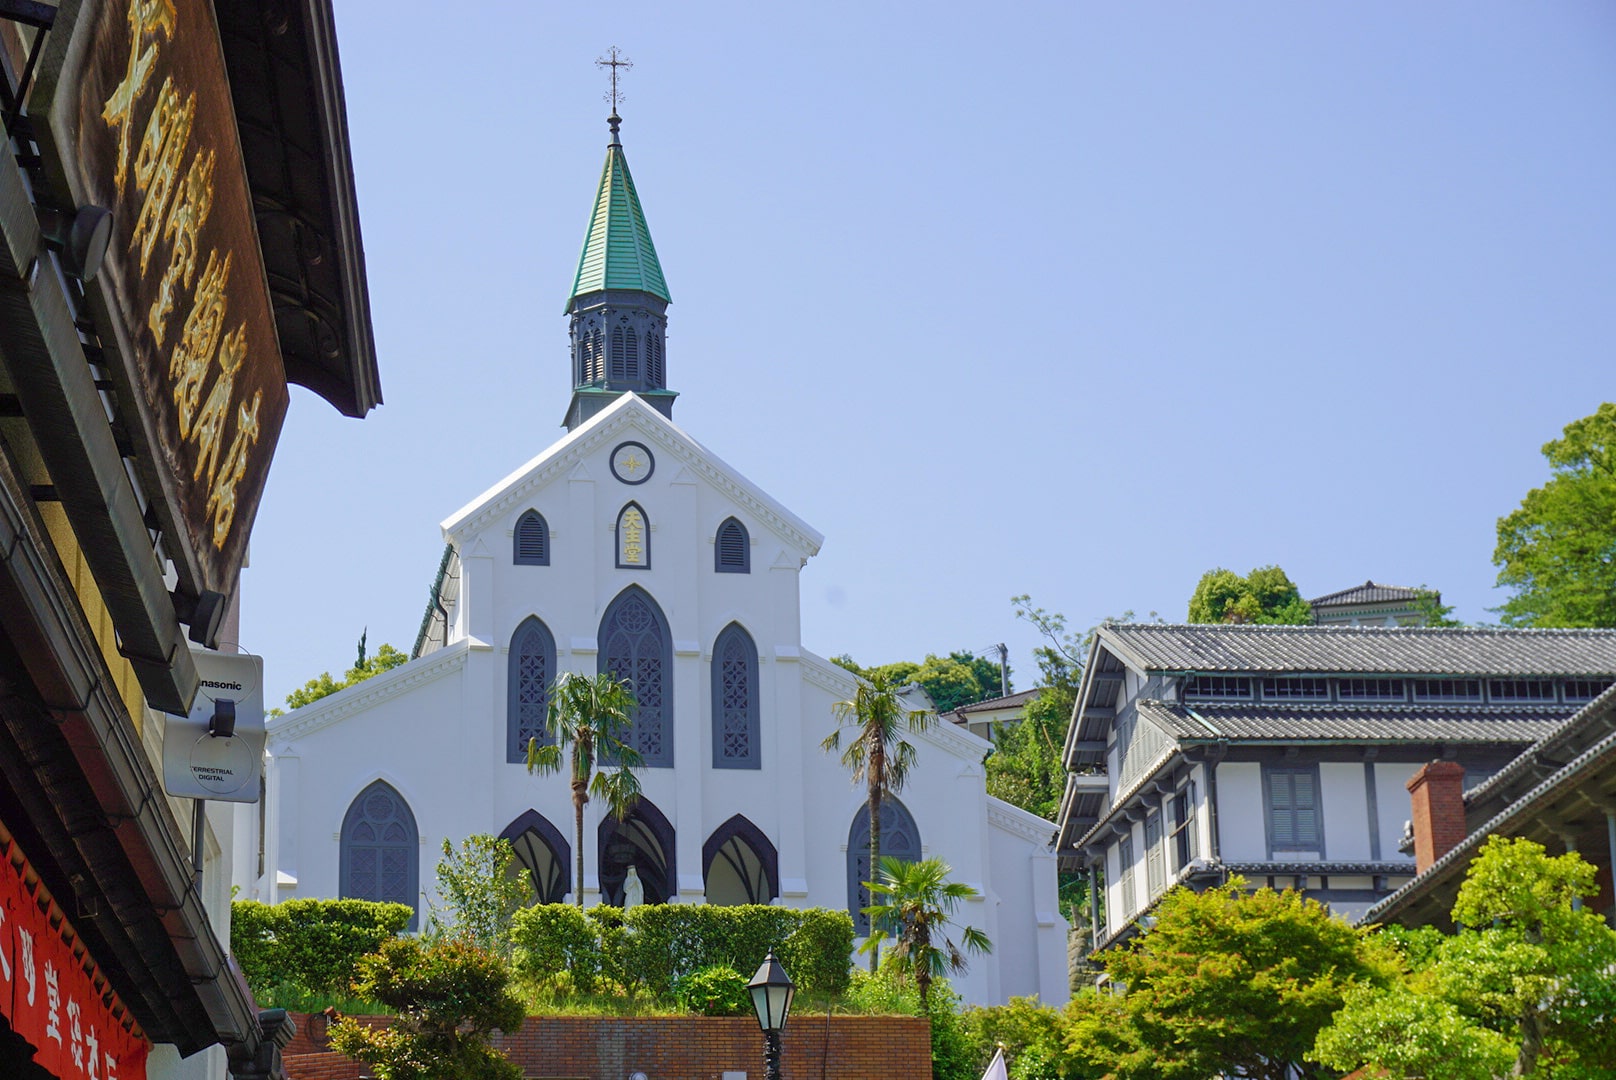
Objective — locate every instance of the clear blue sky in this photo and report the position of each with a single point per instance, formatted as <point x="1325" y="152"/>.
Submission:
<point x="1075" y="299"/>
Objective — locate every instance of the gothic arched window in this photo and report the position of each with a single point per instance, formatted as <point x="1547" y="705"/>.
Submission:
<point x="653" y="348"/>
<point x="597" y="356"/>
<point x="636" y="647"/>
<point x="733" y="549"/>
<point x="379" y="857"/>
<point x="532" y="667"/>
<point x="633" y="538"/>
<point x="633" y="354"/>
<point x="900" y="838"/>
<point x="735" y="700"/>
<point x="531" y="540"/>
<point x="619" y="356"/>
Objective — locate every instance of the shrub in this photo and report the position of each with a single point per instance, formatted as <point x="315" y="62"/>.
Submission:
<point x="315" y="944"/>
<point x="450" y="995"/>
<point x="654" y="945"/>
<point x="953" y="1052"/>
<point x="718" y="990"/>
<point x="556" y="939"/>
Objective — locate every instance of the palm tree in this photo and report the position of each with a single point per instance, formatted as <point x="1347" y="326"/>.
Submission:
<point x="592" y="717"/>
<point x="919" y="901"/>
<point x="877" y="754"/>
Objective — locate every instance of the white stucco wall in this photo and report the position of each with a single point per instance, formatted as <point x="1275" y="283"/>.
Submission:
<point x="1344" y="811"/>
<point x="1242" y="830"/>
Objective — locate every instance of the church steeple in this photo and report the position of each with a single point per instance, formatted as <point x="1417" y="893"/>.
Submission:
<point x="619" y="300"/>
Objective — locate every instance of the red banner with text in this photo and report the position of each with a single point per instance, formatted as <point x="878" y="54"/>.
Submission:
<point x="51" y="992"/>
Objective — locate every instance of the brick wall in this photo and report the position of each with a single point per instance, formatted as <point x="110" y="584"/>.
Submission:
<point x="672" y="1048"/>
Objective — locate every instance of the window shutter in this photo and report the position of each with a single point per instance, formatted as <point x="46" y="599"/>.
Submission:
<point x="633" y="365"/>
<point x="1306" y="805"/>
<point x="532" y="540"/>
<point x="1282" y="806"/>
<point x="619" y="356"/>
<point x="733" y="548"/>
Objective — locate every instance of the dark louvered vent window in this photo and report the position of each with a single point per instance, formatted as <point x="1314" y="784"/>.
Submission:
<point x="1447" y="689"/>
<point x="1585" y="689"/>
<point x="1520" y="689"/>
<point x="633" y="354"/>
<point x="1370" y="690"/>
<point x="1293" y="809"/>
<point x="532" y="540"/>
<point x="653" y="355"/>
<point x="1205" y="687"/>
<point x="734" y="549"/>
<point x="619" y="356"/>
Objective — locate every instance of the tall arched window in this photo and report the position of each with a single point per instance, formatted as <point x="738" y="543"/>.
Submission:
<point x="597" y="356"/>
<point x="531" y="668"/>
<point x="635" y="646"/>
<point x="732" y="548"/>
<point x="633" y="538"/>
<point x="900" y="838"/>
<point x="531" y="540"/>
<point x="379" y="857"/>
<point x="633" y="354"/>
<point x="619" y="356"/>
<point x="653" y="351"/>
<point x="735" y="700"/>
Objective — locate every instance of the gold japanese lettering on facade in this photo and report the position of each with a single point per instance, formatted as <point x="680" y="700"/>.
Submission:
<point x="145" y="16"/>
<point x="157" y="164"/>
<point x="189" y="363"/>
<point x="632" y="537"/>
<point x="174" y="189"/>
<point x="185" y="220"/>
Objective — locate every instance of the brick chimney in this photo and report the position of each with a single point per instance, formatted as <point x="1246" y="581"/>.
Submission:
<point x="1437" y="795"/>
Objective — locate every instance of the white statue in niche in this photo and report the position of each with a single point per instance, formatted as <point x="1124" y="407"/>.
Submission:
<point x="633" y="890"/>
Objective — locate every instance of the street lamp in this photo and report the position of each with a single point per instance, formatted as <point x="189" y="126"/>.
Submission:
<point x="772" y="991"/>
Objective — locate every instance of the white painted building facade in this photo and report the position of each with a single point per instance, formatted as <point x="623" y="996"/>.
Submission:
<point x="628" y="546"/>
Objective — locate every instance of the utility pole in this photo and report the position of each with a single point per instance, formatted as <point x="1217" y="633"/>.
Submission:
<point x="1004" y="668"/>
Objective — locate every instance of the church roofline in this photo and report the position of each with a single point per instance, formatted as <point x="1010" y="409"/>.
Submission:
<point x="393" y="683"/>
<point x="502" y="498"/>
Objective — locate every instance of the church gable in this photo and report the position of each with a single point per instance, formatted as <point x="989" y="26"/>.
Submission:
<point x="628" y="449"/>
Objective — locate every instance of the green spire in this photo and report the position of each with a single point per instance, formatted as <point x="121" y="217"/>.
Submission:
<point x="618" y="253"/>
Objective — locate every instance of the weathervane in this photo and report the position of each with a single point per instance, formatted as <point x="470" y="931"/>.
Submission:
<point x="614" y="60"/>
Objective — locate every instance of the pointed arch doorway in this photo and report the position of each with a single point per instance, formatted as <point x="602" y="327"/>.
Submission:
<point x="544" y="854"/>
<point x="645" y="841"/>
<point x="739" y="864"/>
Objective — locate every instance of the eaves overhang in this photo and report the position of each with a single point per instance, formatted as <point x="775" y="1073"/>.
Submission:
<point x="286" y="85"/>
<point x="78" y="791"/>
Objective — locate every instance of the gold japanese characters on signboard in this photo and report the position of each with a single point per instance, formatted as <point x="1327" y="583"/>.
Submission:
<point x="146" y="109"/>
<point x="631" y="546"/>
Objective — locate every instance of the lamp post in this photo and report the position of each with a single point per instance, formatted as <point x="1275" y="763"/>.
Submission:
<point x="772" y="991"/>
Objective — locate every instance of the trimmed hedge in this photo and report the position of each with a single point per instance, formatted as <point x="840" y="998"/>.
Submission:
<point x="315" y="944"/>
<point x="655" y="944"/>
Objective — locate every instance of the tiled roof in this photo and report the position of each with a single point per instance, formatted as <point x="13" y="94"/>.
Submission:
<point x="1370" y="592"/>
<point x="1365" y="722"/>
<point x="1565" y="742"/>
<point x="1009" y="701"/>
<point x="1370" y="650"/>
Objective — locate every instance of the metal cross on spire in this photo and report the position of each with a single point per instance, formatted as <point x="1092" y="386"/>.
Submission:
<point x="614" y="60"/>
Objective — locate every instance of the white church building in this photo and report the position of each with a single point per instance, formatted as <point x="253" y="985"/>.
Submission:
<point x="628" y="547"/>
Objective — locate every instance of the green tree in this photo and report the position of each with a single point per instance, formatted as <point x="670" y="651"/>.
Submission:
<point x="916" y="906"/>
<point x="1026" y="768"/>
<point x="484" y="887"/>
<point x="323" y="685"/>
<point x="1558" y="550"/>
<point x="591" y="718"/>
<point x="1433" y="612"/>
<point x="951" y="681"/>
<point x="1226" y="983"/>
<point x="1523" y="987"/>
<point x="449" y="996"/>
<point x="1266" y="595"/>
<point x="876" y="753"/>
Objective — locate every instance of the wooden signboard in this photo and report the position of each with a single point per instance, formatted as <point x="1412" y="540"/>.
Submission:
<point x="138" y="119"/>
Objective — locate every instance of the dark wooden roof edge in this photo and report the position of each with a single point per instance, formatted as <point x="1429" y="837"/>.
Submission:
<point x="364" y="379"/>
<point x="323" y="314"/>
